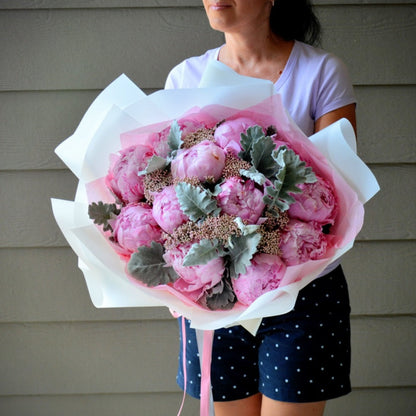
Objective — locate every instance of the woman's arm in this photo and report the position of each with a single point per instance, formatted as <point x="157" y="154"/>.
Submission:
<point x="347" y="112"/>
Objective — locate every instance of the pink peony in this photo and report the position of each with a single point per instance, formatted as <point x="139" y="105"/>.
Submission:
<point x="302" y="241"/>
<point x="316" y="203"/>
<point x="122" y="177"/>
<point x="194" y="122"/>
<point x="159" y="142"/>
<point x="205" y="160"/>
<point x="135" y="227"/>
<point x="228" y="134"/>
<point x="242" y="199"/>
<point x="194" y="281"/>
<point x="167" y="211"/>
<point x="264" y="274"/>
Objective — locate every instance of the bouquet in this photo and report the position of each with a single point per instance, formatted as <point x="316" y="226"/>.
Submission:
<point x="214" y="204"/>
<point x="216" y="210"/>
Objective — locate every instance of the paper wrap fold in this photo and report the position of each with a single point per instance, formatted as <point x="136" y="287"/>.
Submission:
<point x="123" y="107"/>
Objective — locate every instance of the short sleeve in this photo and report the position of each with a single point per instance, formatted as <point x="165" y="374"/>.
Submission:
<point x="188" y="73"/>
<point x="334" y="89"/>
<point x="174" y="77"/>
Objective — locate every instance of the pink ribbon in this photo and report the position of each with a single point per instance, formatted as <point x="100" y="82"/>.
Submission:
<point x="183" y="363"/>
<point x="207" y="340"/>
<point x="208" y="337"/>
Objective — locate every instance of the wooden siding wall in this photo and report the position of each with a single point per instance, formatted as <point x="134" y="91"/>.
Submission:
<point x="61" y="356"/>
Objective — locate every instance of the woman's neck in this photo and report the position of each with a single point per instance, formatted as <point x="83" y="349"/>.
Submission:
<point x="257" y="55"/>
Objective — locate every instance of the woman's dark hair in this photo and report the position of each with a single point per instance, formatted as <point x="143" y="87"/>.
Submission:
<point x="295" y="20"/>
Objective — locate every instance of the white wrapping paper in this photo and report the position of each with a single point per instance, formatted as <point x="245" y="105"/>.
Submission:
<point x="122" y="107"/>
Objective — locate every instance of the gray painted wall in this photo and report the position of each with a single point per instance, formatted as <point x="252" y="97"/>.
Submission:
<point x="61" y="356"/>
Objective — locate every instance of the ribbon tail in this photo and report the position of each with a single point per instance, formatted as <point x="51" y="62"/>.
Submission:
<point x="183" y="362"/>
<point x="205" y="339"/>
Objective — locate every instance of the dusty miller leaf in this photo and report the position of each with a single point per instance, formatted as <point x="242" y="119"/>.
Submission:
<point x="155" y="163"/>
<point x="247" y="141"/>
<point x="217" y="190"/>
<point x="262" y="158"/>
<point x="273" y="198"/>
<point x="203" y="252"/>
<point x="221" y="296"/>
<point x="148" y="266"/>
<point x="246" y="229"/>
<point x="254" y="175"/>
<point x="292" y="172"/>
<point x="242" y="251"/>
<point x="195" y="202"/>
<point x="101" y="213"/>
<point x="175" y="136"/>
<point x="295" y="171"/>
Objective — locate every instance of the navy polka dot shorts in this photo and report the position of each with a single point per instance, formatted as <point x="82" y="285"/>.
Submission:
<point x="302" y="356"/>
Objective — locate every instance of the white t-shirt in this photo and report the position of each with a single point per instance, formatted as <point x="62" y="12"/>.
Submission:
<point x="313" y="82"/>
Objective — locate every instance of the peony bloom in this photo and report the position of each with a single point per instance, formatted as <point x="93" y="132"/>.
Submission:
<point x="302" y="241"/>
<point x="228" y="134"/>
<point x="263" y="275"/>
<point x="135" y="227"/>
<point x="122" y="177"/>
<point x="204" y="161"/>
<point x="194" y="281"/>
<point x="316" y="203"/>
<point x="167" y="211"/>
<point x="159" y="143"/>
<point x="242" y="199"/>
<point x="194" y="122"/>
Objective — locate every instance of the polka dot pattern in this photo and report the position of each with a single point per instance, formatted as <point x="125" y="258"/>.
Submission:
<point x="301" y="356"/>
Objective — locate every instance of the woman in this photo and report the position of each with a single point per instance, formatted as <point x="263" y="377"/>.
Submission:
<point x="299" y="360"/>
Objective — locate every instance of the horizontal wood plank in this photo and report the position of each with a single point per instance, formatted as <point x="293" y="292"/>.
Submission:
<point x="45" y="285"/>
<point x="84" y="358"/>
<point x="34" y="123"/>
<point x="92" y="358"/>
<point x="381" y="402"/>
<point x="380" y="277"/>
<point x="25" y="196"/>
<point x="56" y="49"/>
<point x="159" y="404"/>
<point x="361" y="402"/>
<point x="95" y="4"/>
<point x="383" y="352"/>
<point x="364" y="36"/>
<point x="386" y="124"/>
<point x="389" y="215"/>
